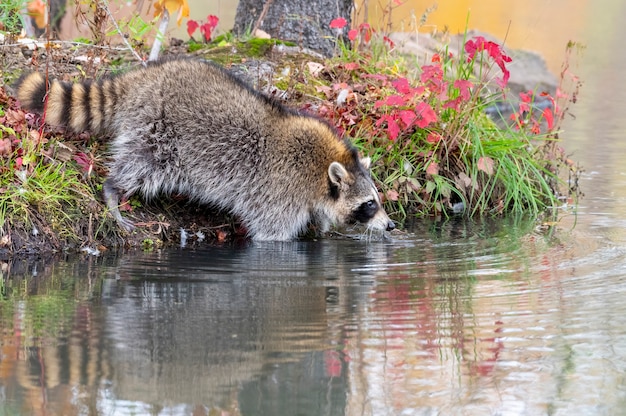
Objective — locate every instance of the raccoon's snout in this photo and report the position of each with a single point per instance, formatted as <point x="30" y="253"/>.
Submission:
<point x="391" y="225"/>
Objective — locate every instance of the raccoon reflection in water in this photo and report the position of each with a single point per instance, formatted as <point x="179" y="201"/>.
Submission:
<point x="190" y="127"/>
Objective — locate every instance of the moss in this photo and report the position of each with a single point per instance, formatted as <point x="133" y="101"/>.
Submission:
<point x="282" y="84"/>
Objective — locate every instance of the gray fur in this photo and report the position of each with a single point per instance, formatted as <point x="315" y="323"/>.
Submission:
<point x="189" y="127"/>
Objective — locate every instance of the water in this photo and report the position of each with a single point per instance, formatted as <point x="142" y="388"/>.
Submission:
<point x="490" y="318"/>
<point x="494" y="318"/>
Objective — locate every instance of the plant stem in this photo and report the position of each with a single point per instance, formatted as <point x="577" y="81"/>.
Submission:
<point x="105" y="5"/>
<point x="158" y="41"/>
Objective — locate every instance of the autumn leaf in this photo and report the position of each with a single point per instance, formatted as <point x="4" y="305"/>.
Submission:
<point x="425" y="114"/>
<point x="338" y="23"/>
<point x="392" y="127"/>
<point x="212" y="21"/>
<point x="401" y="85"/>
<point x="392" y="195"/>
<point x="206" y="31"/>
<point x="464" y="87"/>
<point x="5" y="147"/>
<point x="37" y="10"/>
<point x="389" y="42"/>
<point x="315" y="69"/>
<point x="547" y="115"/>
<point x="432" y="169"/>
<point x="85" y="162"/>
<point x="352" y="34"/>
<point x="485" y="164"/>
<point x="433" y="138"/>
<point x="192" y="26"/>
<point x="408" y="117"/>
<point x="221" y="236"/>
<point x="392" y="100"/>
<point x="172" y="6"/>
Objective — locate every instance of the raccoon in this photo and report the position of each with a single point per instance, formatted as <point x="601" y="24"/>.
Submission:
<point x="190" y="127"/>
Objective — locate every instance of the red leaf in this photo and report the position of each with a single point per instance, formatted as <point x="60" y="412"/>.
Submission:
<point x="350" y="66"/>
<point x="523" y="107"/>
<point x="393" y="129"/>
<point x="352" y="34"/>
<point x="454" y="104"/>
<point x="408" y="117"/>
<point x="547" y="115"/>
<point x="535" y="128"/>
<point x="401" y="85"/>
<point x="464" y="87"/>
<point x="425" y="114"/>
<point x="366" y="30"/>
<point x="433" y="138"/>
<point x="394" y="100"/>
<point x="338" y="23"/>
<point x="84" y="161"/>
<point x="388" y="41"/>
<point x="192" y="25"/>
<point x="206" y="30"/>
<point x="212" y="21"/>
<point x="526" y="96"/>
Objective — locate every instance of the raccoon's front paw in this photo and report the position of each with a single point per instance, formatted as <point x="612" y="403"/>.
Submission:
<point x="126" y="224"/>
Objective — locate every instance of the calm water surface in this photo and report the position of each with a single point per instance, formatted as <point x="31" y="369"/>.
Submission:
<point x="496" y="318"/>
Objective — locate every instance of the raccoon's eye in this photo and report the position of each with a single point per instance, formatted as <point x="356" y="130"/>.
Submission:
<point x="365" y="211"/>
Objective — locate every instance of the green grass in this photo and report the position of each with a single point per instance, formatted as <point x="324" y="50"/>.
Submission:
<point x="51" y="195"/>
<point x="11" y="16"/>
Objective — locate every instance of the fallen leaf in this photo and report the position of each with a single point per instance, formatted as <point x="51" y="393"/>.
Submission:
<point x="392" y="195"/>
<point x="485" y="164"/>
<point x="315" y="68"/>
<point x="433" y="168"/>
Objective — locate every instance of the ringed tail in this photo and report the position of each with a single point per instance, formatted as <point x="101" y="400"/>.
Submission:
<point x="77" y="106"/>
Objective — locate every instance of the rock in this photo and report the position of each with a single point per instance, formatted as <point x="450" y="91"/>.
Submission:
<point x="529" y="71"/>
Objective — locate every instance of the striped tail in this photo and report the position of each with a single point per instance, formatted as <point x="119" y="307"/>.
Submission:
<point x="79" y="107"/>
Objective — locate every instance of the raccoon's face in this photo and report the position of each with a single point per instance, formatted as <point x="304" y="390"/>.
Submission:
<point x="355" y="198"/>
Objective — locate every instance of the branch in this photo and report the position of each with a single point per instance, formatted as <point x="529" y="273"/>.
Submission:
<point x="105" y="5"/>
<point x="158" y="41"/>
<point x="259" y="21"/>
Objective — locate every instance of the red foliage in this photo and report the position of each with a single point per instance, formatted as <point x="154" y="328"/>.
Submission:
<point x="206" y="29"/>
<point x="338" y="23"/>
<point x="525" y="117"/>
<point x="479" y="44"/>
<point x="192" y="26"/>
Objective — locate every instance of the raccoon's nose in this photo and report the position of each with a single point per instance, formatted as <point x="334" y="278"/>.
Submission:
<point x="390" y="225"/>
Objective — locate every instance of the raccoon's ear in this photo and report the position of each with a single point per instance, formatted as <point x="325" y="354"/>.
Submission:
<point x="337" y="173"/>
<point x="366" y="162"/>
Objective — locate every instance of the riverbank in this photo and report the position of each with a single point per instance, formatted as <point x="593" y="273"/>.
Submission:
<point x="52" y="180"/>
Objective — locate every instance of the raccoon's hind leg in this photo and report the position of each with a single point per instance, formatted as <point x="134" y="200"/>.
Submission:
<point x="112" y="199"/>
